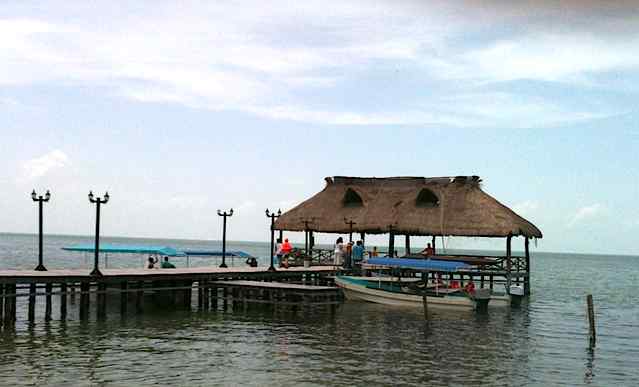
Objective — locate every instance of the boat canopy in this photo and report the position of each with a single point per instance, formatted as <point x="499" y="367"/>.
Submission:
<point x="125" y="249"/>
<point x="419" y="264"/>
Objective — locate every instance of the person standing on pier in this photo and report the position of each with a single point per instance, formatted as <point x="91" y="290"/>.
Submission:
<point x="340" y="251"/>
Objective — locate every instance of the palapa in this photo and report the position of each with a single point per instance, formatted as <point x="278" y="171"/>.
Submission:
<point x="438" y="206"/>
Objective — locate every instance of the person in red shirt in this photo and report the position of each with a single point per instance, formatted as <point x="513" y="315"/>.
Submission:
<point x="286" y="247"/>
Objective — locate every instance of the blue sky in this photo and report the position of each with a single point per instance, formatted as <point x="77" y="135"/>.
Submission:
<point x="181" y="110"/>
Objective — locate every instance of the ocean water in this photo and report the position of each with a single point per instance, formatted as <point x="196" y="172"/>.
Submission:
<point x="543" y="343"/>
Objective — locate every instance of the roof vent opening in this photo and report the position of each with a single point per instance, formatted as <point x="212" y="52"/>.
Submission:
<point x="427" y="198"/>
<point x="352" y="199"/>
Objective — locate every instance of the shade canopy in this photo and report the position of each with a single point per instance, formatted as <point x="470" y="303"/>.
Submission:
<point x="438" y="206"/>
<point x="127" y="249"/>
<point x="419" y="264"/>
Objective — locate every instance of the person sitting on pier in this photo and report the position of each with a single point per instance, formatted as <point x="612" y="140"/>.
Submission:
<point x="166" y="264"/>
<point x="151" y="263"/>
<point x="251" y="261"/>
<point x="374" y="253"/>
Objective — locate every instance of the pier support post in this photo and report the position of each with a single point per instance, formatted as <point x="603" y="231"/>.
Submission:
<point x="101" y="300"/>
<point x="200" y="295"/>
<point x="32" y="302"/>
<point x="84" y="300"/>
<point x="47" y="308"/>
<point x="214" y="297"/>
<point x="139" y="297"/>
<point x="9" y="297"/>
<point x="186" y="294"/>
<point x="2" y="302"/>
<point x="124" y="298"/>
<point x="12" y="304"/>
<point x="206" y="298"/>
<point x="407" y="247"/>
<point x="63" y="301"/>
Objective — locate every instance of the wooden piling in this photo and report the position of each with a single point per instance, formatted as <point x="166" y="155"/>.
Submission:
<point x="32" y="302"/>
<point x="527" y="278"/>
<point x="8" y="291"/>
<point x="206" y="298"/>
<point x="214" y="297"/>
<point x="591" y="321"/>
<point x="47" y="308"/>
<point x="139" y="297"/>
<point x="124" y="297"/>
<point x="425" y="301"/>
<point x="84" y="300"/>
<point x="63" y="301"/>
<point x="2" y="302"/>
<point x="101" y="300"/>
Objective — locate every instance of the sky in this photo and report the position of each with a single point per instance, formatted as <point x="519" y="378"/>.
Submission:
<point x="182" y="108"/>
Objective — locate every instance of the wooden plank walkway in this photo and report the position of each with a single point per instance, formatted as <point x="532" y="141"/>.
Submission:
<point x="109" y="275"/>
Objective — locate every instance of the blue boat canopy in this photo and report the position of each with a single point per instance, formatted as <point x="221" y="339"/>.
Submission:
<point x="419" y="264"/>
<point x="159" y="250"/>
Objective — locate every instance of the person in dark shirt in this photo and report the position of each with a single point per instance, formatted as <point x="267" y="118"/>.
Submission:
<point x="166" y="264"/>
<point x="251" y="261"/>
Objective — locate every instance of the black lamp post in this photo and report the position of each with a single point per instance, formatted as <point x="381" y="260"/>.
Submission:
<point x="40" y="199"/>
<point x="224" y="215"/>
<point x="350" y="240"/>
<point x="96" y="270"/>
<point x="273" y="217"/>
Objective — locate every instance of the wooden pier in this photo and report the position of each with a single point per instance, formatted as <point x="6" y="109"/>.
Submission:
<point x="170" y="287"/>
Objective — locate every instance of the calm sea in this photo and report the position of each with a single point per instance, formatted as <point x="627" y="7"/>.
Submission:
<point x="543" y="343"/>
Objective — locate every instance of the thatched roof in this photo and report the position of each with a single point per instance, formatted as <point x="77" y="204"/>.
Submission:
<point x="454" y="206"/>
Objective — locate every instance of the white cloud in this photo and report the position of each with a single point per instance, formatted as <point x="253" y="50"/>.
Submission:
<point x="586" y="213"/>
<point x="40" y="166"/>
<point x="267" y="60"/>
<point x="526" y="208"/>
<point x="246" y="206"/>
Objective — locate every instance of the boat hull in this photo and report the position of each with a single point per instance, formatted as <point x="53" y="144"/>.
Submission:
<point x="356" y="291"/>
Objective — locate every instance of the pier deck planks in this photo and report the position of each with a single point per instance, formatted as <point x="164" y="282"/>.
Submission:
<point x="65" y="275"/>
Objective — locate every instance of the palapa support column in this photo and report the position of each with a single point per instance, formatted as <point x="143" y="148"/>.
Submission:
<point x="124" y="297"/>
<point x="508" y="262"/>
<point x="391" y="241"/>
<point x="433" y="244"/>
<point x="32" y="302"/>
<point x="527" y="255"/>
<point x="47" y="308"/>
<point x="63" y="301"/>
<point x="407" y="244"/>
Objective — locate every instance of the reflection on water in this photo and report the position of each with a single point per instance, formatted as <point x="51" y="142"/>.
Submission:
<point x="544" y="342"/>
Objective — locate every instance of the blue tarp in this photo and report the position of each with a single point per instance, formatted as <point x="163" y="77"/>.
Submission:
<point x="208" y="253"/>
<point x="160" y="250"/>
<point x="419" y="264"/>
